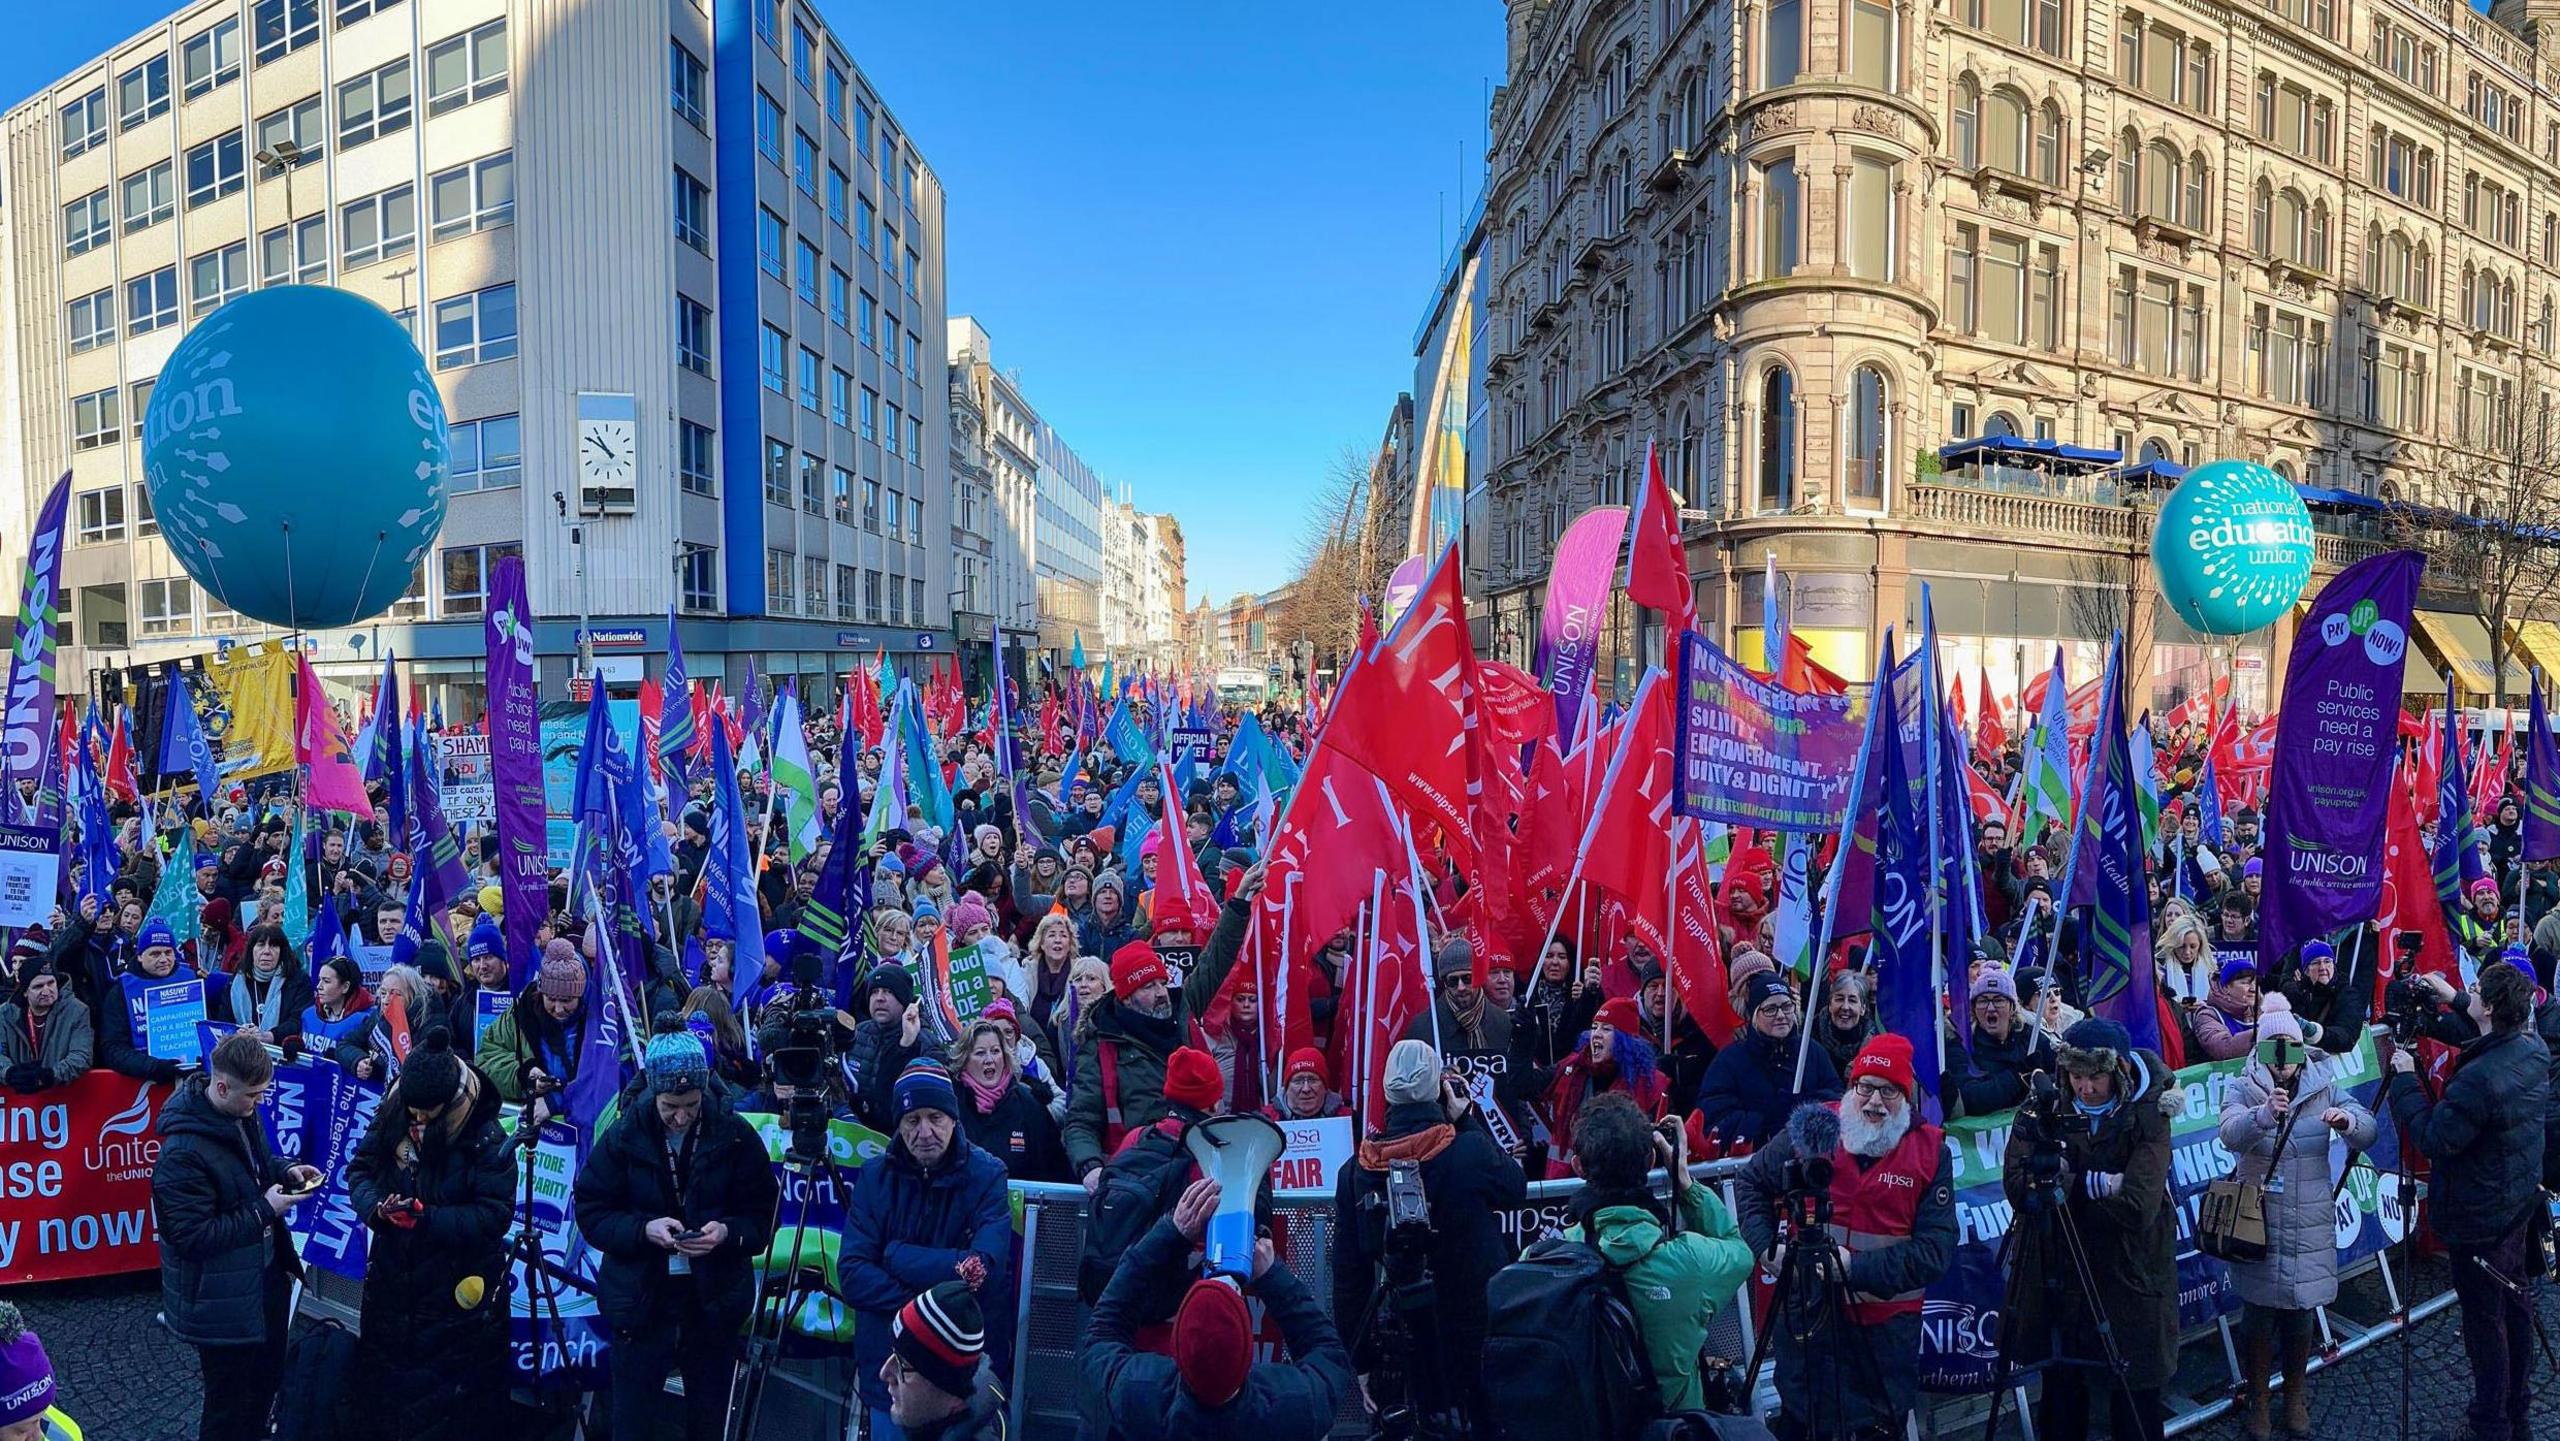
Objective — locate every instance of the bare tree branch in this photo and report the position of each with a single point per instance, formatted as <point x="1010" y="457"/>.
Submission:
<point x="2498" y="546"/>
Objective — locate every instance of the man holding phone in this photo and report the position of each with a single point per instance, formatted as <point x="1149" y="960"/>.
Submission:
<point x="227" y="1263"/>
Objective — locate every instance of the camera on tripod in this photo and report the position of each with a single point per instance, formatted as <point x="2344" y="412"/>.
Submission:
<point x="1399" y="1342"/>
<point x="800" y="1064"/>
<point x="2407" y="1005"/>
<point x="2048" y="1122"/>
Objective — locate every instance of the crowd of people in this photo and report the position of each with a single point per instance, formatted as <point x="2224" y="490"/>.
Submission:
<point x="1108" y="1029"/>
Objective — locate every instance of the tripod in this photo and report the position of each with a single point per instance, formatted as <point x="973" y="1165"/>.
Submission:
<point x="544" y="1280"/>
<point x="2049" y="1213"/>
<point x="1400" y="1325"/>
<point x="1809" y="1294"/>
<point x="763" y="1346"/>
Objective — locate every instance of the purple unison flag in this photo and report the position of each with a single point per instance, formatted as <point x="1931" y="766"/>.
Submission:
<point x="2541" y="786"/>
<point x="1907" y="983"/>
<point x="515" y="768"/>
<point x="1578" y="586"/>
<point x="2337" y="735"/>
<point x="2105" y="873"/>
<point x="31" y="660"/>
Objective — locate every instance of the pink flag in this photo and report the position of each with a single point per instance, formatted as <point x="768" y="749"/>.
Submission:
<point x="321" y="744"/>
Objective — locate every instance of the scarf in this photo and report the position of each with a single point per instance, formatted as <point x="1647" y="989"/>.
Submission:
<point x="984" y="1094"/>
<point x="246" y="1000"/>
<point x="1471" y="1018"/>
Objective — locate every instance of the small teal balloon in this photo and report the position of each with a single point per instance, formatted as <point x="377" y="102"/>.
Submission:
<point x="297" y="457"/>
<point x="2233" y="547"/>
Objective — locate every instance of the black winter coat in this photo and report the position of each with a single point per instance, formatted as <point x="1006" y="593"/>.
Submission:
<point x="444" y="1361"/>
<point x="2484" y="1138"/>
<point x="2131" y="1236"/>
<point x="629" y="1181"/>
<point x="906" y="1230"/>
<point x="1469" y="1182"/>
<point x="1750" y="1088"/>
<point x="1018" y="1132"/>
<point x="1995" y="1072"/>
<point x="217" y="1235"/>
<point x="2546" y="1023"/>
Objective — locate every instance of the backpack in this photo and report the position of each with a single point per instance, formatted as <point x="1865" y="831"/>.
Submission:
<point x="317" y="1362"/>
<point x="1563" y="1358"/>
<point x="1138" y="1188"/>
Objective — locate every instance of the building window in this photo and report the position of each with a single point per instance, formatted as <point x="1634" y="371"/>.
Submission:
<point x="915" y="520"/>
<point x="697" y="577"/>
<point x="1868" y="426"/>
<point x="2289" y="355"/>
<point x="871" y="595"/>
<point x="211" y="60"/>
<point x="281" y="27"/>
<point x="1964" y="262"/>
<point x="768" y="128"/>
<point x="687" y="81"/>
<point x="479" y="195"/>
<point x="769" y="233"/>
<point x="96" y="420"/>
<point x="897" y="515"/>
<point x="1872" y="228"/>
<point x="1782" y="44"/>
<point x="870" y="414"/>
<point x="467" y="571"/>
<point x="839" y="197"/>
<point x="217" y="276"/>
<point x="777" y="472"/>
<point x="768" y="21"/>
<point x="487" y="454"/>
<point x="378" y="227"/>
<point x="693" y="212"/>
<point x="166" y="607"/>
<point x="694" y="458"/>
<point x="910" y="269"/>
<point x="804" y="163"/>
<point x="1777" y="490"/>
<point x="99" y="516"/>
<point x="151" y="301"/>
<point x="301" y="123"/>
<point x="839" y="297"/>
<point x="813" y="483"/>
<point x="779" y="573"/>
<point x="88" y="223"/>
<point x="1781" y="211"/>
<point x="474" y="328"/>
<point x="467" y="68"/>
<point x="837" y="87"/>
<point x="771" y="346"/>
<point x="372" y="106"/>
<point x="810" y="366"/>
<point x="840" y="398"/>
<point x="215" y="169"/>
<point x="867" y="326"/>
<point x="150" y="196"/>
<point x="840" y="495"/>
<point x="693" y="335"/>
<point x="804" y="272"/>
<point x="862" y="128"/>
<point x="349" y="12"/>
<point x="2395" y="385"/>
<point x="848" y="596"/>
<point x="865" y="220"/>
<point x="84" y="123"/>
<point x="897" y="420"/>
<point x="92" y="320"/>
<point x="142" y="93"/>
<point x="1875" y="39"/>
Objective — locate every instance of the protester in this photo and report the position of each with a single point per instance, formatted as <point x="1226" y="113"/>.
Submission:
<point x="2483" y="1140"/>
<point x="1305" y="1093"/>
<point x="2226" y="1024"/>
<point x="1893" y="1220"/>
<point x="930" y="1208"/>
<point x="679" y="1197"/>
<point x="1752" y="1088"/>
<point x="1679" y="1266"/>
<point x="27" y="1409"/>
<point x="2114" y="1183"/>
<point x="1847" y="1018"/>
<point x="2006" y="1051"/>
<point x="2277" y="1118"/>
<point x="1211" y="1388"/>
<point x="1433" y="1125"/>
<point x="941" y="1385"/>
<point x="540" y="1042"/>
<point x="227" y="1263"/>
<point x="1613" y="1058"/>
<point x="1002" y="1113"/>
<point x="268" y="995"/>
<point x="432" y="1181"/>
<point x="118" y="988"/>
<point x="45" y="1035"/>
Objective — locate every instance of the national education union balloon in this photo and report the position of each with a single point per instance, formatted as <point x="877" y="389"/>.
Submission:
<point x="297" y="457"/>
<point x="2233" y="547"/>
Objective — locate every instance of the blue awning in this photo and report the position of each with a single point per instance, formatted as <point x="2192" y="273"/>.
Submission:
<point x="2025" y="450"/>
<point x="2155" y="472"/>
<point x="2321" y="495"/>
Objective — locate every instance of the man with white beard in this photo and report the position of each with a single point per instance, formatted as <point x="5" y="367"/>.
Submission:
<point x="1848" y="1350"/>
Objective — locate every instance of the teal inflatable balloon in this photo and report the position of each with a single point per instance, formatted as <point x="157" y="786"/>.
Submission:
<point x="2233" y="547"/>
<point x="297" y="457"/>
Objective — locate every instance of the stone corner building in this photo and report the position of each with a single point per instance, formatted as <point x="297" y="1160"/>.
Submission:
<point x="1806" y="246"/>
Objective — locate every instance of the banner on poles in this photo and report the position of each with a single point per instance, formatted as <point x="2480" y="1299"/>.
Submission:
<point x="1579" y="581"/>
<point x="75" y="1165"/>
<point x="1753" y="753"/>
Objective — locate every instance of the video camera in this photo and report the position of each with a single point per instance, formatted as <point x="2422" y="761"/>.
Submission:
<point x="1406" y="1215"/>
<point x="801" y="1063"/>
<point x="2049" y="1123"/>
<point x="2407" y="1005"/>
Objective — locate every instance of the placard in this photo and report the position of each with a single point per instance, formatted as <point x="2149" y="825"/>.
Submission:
<point x="372" y="960"/>
<point x="1314" y="1155"/>
<point x="1480" y="1090"/>
<point x="464" y="784"/>
<point x="30" y="874"/>
<point x="1752" y="753"/>
<point x="169" y="1016"/>
<point x="1193" y="741"/>
<point x="486" y="1007"/>
<point x="79" y="1157"/>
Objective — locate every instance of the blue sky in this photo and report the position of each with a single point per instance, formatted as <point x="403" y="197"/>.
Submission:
<point x="1203" y="235"/>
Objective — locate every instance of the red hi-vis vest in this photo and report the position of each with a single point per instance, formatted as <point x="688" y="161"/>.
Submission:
<point x="1876" y="1208"/>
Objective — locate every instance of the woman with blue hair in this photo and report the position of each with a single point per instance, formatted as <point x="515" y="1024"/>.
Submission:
<point x="1612" y="1056"/>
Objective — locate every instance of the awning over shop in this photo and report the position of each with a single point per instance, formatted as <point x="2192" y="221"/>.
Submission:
<point x="2323" y="496"/>
<point x="2460" y="643"/>
<point x="2024" y="450"/>
<point x="2540" y="641"/>
<point x="2419" y="678"/>
<point x="2154" y="472"/>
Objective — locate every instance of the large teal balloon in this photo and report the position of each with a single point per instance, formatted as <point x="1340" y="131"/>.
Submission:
<point x="2233" y="547"/>
<point x="297" y="456"/>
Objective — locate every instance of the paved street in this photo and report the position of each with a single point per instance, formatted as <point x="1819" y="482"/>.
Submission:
<point x="125" y="1380"/>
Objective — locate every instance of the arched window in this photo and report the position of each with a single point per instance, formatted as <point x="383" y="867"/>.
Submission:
<point x="1965" y="131"/>
<point x="1777" y="440"/>
<point x="1782" y="44"/>
<point x="2262" y="218"/>
<point x="2315" y="251"/>
<point x="1676" y="471"/>
<point x="2293" y="225"/>
<point x="2284" y="471"/>
<point x="2163" y="176"/>
<point x="2004" y="131"/>
<point x="1875" y="44"/>
<point x="2001" y="423"/>
<point x="2199" y="185"/>
<point x="2155" y="449"/>
<point x="2129" y="171"/>
<point x="1781" y="213"/>
<point x="1867" y="435"/>
<point x="2048" y="144"/>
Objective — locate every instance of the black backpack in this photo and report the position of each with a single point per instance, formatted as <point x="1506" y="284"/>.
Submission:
<point x="312" y="1403"/>
<point x="1138" y="1188"/>
<point x="1563" y="1358"/>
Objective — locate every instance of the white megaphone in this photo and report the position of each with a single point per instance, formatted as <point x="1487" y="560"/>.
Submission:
<point x="1237" y="1153"/>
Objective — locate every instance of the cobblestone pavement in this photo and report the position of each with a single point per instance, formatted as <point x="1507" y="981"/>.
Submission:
<point x="124" y="1379"/>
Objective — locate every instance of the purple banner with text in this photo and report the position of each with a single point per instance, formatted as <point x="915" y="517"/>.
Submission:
<point x="1753" y="753"/>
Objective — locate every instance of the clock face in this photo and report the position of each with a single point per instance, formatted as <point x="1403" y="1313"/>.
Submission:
<point x="605" y="452"/>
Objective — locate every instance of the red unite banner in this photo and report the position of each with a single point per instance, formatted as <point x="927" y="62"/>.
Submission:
<point x="75" y="1179"/>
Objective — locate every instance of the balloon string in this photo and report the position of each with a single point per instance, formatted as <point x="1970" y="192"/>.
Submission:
<point x="371" y="561"/>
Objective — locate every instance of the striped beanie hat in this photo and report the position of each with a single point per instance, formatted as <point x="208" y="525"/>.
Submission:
<point x="942" y="1335"/>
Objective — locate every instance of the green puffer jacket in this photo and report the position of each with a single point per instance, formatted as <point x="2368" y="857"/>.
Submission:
<point x="1676" y="1284"/>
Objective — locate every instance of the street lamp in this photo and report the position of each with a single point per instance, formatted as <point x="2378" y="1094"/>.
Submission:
<point x="284" y="158"/>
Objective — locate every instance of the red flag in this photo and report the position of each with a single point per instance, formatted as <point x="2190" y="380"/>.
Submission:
<point x="2201" y="705"/>
<point x="2409" y="894"/>
<point x="1990" y="737"/>
<point x="120" y="779"/>
<point x="1657" y="564"/>
<point x="652" y="704"/>
<point x="1513" y="707"/>
<point x="1368" y="627"/>
<point x="1627" y="845"/>
<point x="1387" y="988"/>
<point x="1806" y="676"/>
<point x="1181" y="897"/>
<point x="1406" y="709"/>
<point x="1696" y="965"/>
<point x="1955" y="704"/>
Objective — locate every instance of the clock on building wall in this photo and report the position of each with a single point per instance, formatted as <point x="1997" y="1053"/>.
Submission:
<point x="608" y="454"/>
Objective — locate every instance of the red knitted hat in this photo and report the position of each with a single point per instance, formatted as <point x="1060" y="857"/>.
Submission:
<point x="1306" y="1060"/>
<point x="1133" y="966"/>
<point x="1213" y="1341"/>
<point x="1888" y="1056"/>
<point x="1620" y="1014"/>
<point x="1191" y="1079"/>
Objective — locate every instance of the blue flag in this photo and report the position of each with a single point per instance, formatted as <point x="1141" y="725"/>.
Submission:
<point x="2104" y="872"/>
<point x="675" y="718"/>
<point x="182" y="742"/>
<point x="610" y="865"/>
<point x="2457" y="858"/>
<point x="1907" y="986"/>
<point x="729" y="909"/>
<point x="438" y="852"/>
<point x="97" y="832"/>
<point x="1128" y="740"/>
<point x="842" y="895"/>
<point x="2209" y="803"/>
<point x="2541" y="785"/>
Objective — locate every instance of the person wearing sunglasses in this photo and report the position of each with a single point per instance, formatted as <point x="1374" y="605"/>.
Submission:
<point x="2277" y="1117"/>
